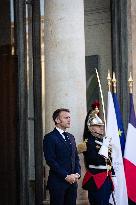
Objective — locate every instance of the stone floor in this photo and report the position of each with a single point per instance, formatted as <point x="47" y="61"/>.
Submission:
<point x="81" y="202"/>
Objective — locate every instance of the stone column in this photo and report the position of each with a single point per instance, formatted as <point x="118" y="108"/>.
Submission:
<point x="65" y="61"/>
<point x="132" y="43"/>
<point x="120" y="53"/>
<point x="65" y="82"/>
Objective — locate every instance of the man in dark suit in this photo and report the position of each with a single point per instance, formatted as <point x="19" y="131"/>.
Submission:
<point x="61" y="156"/>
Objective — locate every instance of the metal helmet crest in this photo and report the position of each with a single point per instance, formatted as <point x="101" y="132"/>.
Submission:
<point x="93" y="118"/>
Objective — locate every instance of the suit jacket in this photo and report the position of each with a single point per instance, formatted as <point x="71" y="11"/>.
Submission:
<point x="60" y="157"/>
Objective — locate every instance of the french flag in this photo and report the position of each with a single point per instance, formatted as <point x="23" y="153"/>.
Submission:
<point x="130" y="155"/>
<point x="119" y="196"/>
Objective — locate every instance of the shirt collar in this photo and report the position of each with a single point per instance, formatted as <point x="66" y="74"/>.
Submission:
<point x="60" y="130"/>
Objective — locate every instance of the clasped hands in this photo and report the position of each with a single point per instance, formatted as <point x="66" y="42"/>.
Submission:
<point x="72" y="178"/>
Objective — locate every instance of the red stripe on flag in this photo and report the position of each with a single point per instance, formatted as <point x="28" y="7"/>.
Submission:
<point x="130" y="172"/>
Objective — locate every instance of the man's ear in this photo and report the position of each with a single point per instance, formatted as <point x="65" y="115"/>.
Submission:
<point x="57" y="120"/>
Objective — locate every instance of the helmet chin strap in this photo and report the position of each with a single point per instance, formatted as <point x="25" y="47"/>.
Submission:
<point x="99" y="133"/>
<point x="96" y="134"/>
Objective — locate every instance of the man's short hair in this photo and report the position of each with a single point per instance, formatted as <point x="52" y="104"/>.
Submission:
<point x="58" y="111"/>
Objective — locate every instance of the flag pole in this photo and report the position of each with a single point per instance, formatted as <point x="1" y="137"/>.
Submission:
<point x="114" y="83"/>
<point x="109" y="81"/>
<point x="114" y="90"/>
<point x="130" y="84"/>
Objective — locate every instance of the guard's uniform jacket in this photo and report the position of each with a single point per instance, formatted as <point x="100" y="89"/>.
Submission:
<point x="97" y="166"/>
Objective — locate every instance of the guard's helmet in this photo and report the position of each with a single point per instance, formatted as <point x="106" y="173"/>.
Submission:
<point x="93" y="118"/>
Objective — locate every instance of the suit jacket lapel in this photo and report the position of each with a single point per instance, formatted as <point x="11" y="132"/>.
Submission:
<point x="73" y="151"/>
<point x="72" y="142"/>
<point x="59" y="136"/>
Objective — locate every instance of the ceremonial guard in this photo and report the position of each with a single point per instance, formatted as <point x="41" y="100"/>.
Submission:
<point x="97" y="155"/>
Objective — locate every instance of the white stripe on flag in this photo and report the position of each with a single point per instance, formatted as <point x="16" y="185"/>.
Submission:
<point x="120" y="192"/>
<point x="129" y="154"/>
<point x="130" y="147"/>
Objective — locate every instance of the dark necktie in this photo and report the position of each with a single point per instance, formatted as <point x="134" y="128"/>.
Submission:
<point x="66" y="137"/>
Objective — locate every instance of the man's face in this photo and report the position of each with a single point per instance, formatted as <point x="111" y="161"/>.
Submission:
<point x="99" y="129"/>
<point x="63" y="120"/>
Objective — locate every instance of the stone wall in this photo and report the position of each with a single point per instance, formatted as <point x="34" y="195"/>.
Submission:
<point x="98" y="36"/>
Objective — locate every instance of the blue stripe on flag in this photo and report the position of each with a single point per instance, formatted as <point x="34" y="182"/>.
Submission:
<point x="132" y="117"/>
<point x="119" y="122"/>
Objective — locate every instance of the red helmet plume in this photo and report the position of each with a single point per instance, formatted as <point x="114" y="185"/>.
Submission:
<point x="95" y="105"/>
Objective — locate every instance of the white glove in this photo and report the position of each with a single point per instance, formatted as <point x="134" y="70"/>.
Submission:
<point x="103" y="151"/>
<point x="104" y="148"/>
<point x="106" y="141"/>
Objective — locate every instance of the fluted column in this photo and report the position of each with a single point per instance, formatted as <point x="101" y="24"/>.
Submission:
<point x="132" y="43"/>
<point x="65" y="82"/>
<point x="65" y="61"/>
<point x="119" y="14"/>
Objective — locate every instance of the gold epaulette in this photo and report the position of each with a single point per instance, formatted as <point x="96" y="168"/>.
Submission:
<point x="82" y="146"/>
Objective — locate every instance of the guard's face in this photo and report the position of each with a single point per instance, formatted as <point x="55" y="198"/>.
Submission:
<point x="63" y="120"/>
<point x="98" y="129"/>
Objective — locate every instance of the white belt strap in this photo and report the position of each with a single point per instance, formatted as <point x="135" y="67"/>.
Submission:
<point x="100" y="143"/>
<point x="98" y="167"/>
